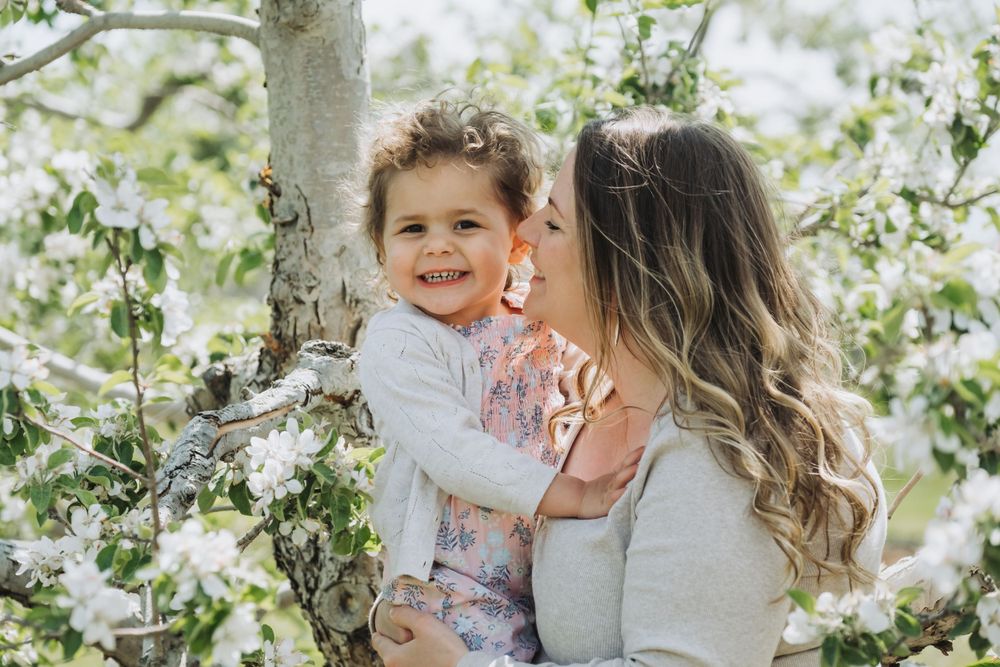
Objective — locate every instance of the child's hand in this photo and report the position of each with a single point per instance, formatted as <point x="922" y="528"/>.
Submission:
<point x="601" y="493"/>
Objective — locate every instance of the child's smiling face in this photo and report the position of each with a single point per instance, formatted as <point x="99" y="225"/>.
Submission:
<point x="448" y="241"/>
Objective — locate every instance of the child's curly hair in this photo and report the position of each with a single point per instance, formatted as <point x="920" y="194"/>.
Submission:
<point x="440" y="129"/>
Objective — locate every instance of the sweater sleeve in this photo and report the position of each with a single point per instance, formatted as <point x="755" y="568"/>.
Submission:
<point x="701" y="574"/>
<point x="418" y="406"/>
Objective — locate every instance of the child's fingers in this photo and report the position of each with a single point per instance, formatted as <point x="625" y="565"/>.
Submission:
<point x="624" y="476"/>
<point x="633" y="456"/>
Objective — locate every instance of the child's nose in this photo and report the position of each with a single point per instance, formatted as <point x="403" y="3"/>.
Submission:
<point x="438" y="244"/>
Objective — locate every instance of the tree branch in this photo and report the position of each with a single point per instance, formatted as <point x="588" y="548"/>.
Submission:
<point x="219" y="24"/>
<point x="90" y="379"/>
<point x="324" y="380"/>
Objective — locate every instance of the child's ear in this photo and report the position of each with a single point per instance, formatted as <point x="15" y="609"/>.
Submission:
<point x="518" y="251"/>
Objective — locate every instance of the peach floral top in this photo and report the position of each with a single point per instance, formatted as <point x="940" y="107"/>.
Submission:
<point x="480" y="582"/>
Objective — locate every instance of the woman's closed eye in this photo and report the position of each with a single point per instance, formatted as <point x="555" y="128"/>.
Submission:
<point x="551" y="226"/>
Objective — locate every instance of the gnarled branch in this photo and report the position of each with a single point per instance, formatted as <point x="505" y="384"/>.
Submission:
<point x="97" y="22"/>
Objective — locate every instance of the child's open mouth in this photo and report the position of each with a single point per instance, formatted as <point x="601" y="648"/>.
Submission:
<point x="443" y="276"/>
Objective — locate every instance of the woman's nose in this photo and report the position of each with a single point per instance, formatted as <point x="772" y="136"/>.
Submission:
<point x="527" y="229"/>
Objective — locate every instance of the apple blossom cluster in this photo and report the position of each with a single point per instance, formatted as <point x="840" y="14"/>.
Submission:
<point x="121" y="205"/>
<point x="847" y="616"/>
<point x="967" y="524"/>
<point x="96" y="608"/>
<point x="44" y="559"/>
<point x="272" y="463"/>
<point x="198" y="562"/>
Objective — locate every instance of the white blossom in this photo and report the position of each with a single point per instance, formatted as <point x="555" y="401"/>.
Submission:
<point x="273" y="463"/>
<point x="96" y="609"/>
<point x="20" y="370"/>
<point x="234" y="637"/>
<point x="197" y="559"/>
<point x="890" y="47"/>
<point x="118" y="206"/>
<point x="64" y="245"/>
<point x="988" y="611"/>
<point x="283" y="654"/>
<point x="176" y="313"/>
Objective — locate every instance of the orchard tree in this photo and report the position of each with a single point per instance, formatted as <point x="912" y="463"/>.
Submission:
<point x="110" y="243"/>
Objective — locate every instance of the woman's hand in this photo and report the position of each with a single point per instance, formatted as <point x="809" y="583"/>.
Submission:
<point x="434" y="644"/>
<point x="385" y="626"/>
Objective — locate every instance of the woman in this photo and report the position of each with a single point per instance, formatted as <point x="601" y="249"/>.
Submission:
<point x="658" y="255"/>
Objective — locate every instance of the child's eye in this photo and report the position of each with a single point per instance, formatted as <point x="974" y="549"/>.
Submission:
<point x="466" y="224"/>
<point x="412" y="229"/>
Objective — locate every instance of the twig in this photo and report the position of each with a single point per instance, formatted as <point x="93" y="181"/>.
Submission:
<point x="917" y="476"/>
<point x="147" y="448"/>
<point x="252" y="534"/>
<point x="698" y="38"/>
<point x="220" y="508"/>
<point x="97" y="22"/>
<point x="144" y="631"/>
<point x="84" y="448"/>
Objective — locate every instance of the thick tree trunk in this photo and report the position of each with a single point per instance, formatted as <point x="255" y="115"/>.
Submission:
<point x="318" y="90"/>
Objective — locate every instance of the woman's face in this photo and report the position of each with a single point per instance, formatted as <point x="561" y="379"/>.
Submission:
<point x="557" y="294"/>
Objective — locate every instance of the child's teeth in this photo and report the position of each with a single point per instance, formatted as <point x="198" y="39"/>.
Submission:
<point x="439" y="277"/>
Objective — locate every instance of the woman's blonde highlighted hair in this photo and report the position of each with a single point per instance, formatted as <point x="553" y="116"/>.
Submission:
<point x="681" y="252"/>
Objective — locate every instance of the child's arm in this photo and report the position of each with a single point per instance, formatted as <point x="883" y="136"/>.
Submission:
<point x="570" y="496"/>
<point x="418" y="406"/>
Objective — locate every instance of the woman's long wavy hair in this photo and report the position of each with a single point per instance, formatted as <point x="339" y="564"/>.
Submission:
<point x="684" y="260"/>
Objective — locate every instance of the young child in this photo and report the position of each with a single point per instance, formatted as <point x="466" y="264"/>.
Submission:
<point x="459" y="383"/>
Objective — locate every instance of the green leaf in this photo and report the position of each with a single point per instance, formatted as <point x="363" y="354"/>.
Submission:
<point x="205" y="499"/>
<point x="325" y="473"/>
<point x="803" y="599"/>
<point x="908" y="624"/>
<point x="85" y="497"/>
<point x="60" y="457"/>
<point x="907" y="595"/>
<point x="591" y="5"/>
<point x="854" y="656"/>
<point x="240" y="497"/>
<point x="222" y="270"/>
<point x="83" y="204"/>
<point x="267" y="633"/>
<point x="966" y="625"/>
<point x="115" y="379"/>
<point x="154" y="176"/>
<point x="249" y="260"/>
<point x="106" y="556"/>
<point x="830" y="652"/>
<point x="41" y="496"/>
<point x="71" y="642"/>
<point x="119" y="319"/>
<point x="979" y="644"/>
<point x="45" y="387"/>
<point x="81" y="301"/>
<point x="153" y="271"/>
<point x="646" y="23"/>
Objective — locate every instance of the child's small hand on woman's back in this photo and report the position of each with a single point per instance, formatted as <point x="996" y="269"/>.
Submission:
<point x="601" y="493"/>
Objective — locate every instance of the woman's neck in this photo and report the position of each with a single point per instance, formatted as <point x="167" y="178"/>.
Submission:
<point x="637" y="385"/>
